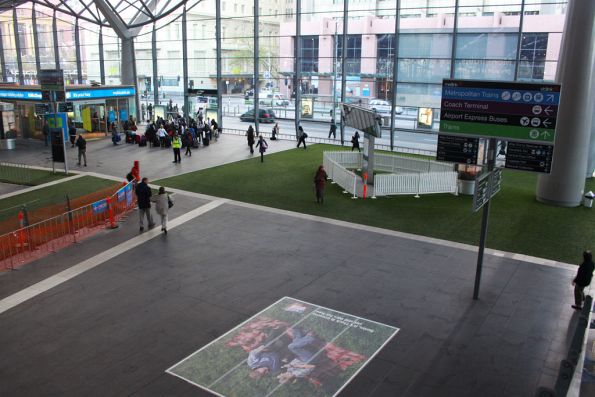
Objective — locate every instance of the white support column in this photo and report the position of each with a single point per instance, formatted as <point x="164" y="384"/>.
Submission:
<point x="565" y="185"/>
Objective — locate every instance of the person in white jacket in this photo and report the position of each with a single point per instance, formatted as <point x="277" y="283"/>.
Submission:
<point x="162" y="204"/>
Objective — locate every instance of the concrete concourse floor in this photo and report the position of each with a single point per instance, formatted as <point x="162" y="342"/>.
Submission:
<point x="156" y="163"/>
<point x="115" y="329"/>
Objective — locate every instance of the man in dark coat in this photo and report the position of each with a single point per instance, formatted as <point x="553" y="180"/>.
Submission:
<point x="583" y="279"/>
<point x="143" y="196"/>
<point x="81" y="144"/>
<point x="250" y="135"/>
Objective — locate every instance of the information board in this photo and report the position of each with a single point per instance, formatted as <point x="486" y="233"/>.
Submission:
<point x="365" y="120"/>
<point x="457" y="149"/>
<point x="523" y="112"/>
<point x="529" y="157"/>
<point x="486" y="187"/>
<point x="51" y="79"/>
<point x="65" y="107"/>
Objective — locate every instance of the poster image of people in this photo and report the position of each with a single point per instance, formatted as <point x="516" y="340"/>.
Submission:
<point x="291" y="348"/>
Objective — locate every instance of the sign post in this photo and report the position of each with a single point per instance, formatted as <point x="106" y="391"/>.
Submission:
<point x="52" y="88"/>
<point x="524" y="114"/>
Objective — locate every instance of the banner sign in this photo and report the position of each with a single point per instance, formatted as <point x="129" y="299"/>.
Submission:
<point x="121" y="194"/>
<point x="99" y="207"/>
<point x="129" y="194"/>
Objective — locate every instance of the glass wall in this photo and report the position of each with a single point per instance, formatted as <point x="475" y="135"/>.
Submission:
<point x="398" y="55"/>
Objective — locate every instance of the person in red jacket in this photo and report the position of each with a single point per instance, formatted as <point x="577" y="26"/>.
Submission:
<point x="319" y="182"/>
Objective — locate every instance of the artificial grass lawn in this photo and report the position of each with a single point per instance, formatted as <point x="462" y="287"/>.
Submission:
<point x="517" y="223"/>
<point x="55" y="194"/>
<point x="38" y="177"/>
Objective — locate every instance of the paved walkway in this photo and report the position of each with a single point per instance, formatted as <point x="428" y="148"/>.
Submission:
<point x="103" y="157"/>
<point x="109" y="315"/>
<point x="9" y="188"/>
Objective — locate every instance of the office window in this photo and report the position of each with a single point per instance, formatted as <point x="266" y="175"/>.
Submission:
<point x="533" y="55"/>
<point x="353" y="52"/>
<point x="309" y="54"/>
<point x="385" y="54"/>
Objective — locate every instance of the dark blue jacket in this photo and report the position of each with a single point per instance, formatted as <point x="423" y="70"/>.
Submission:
<point x="143" y="195"/>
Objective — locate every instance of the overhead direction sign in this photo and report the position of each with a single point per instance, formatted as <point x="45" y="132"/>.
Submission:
<point x="523" y="112"/>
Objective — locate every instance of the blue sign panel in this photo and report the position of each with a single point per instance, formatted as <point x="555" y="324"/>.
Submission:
<point x="123" y="114"/>
<point x="100" y="93"/>
<point x="129" y="194"/>
<point x="121" y="194"/>
<point x="99" y="207"/>
<point x="23" y="95"/>
<point x="33" y="95"/>
<point x="58" y="120"/>
<point x="111" y="116"/>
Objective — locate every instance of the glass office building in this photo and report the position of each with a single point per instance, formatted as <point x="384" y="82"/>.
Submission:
<point x="315" y="53"/>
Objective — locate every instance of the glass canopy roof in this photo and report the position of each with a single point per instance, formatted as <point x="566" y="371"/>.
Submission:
<point x="129" y="14"/>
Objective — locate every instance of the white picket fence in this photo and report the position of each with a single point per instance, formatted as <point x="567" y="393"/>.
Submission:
<point x="391" y="163"/>
<point x="415" y="183"/>
<point x="340" y="175"/>
<point x="409" y="175"/>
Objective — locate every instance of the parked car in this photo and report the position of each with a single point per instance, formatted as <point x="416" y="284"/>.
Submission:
<point x="271" y="99"/>
<point x="264" y="116"/>
<point x="382" y="106"/>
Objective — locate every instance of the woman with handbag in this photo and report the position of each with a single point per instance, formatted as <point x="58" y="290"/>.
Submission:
<point x="162" y="205"/>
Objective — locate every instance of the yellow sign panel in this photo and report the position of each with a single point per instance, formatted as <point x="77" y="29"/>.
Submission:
<point x="87" y="119"/>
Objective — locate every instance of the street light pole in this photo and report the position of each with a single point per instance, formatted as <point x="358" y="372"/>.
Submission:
<point x="335" y="73"/>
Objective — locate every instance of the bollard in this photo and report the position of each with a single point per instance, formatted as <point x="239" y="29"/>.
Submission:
<point x="112" y="222"/>
<point x="365" y="175"/>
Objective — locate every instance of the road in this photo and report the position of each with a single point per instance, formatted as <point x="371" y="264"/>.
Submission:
<point x="234" y="106"/>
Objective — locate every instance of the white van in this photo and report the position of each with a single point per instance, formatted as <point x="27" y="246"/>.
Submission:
<point x="270" y="99"/>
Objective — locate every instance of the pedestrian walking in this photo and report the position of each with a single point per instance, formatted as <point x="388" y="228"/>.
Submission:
<point x="72" y="133"/>
<point x="161" y="133"/>
<point x="46" y="132"/>
<point x="582" y="279"/>
<point x="162" y="205"/>
<point x="143" y="198"/>
<point x="301" y="137"/>
<point x="81" y="144"/>
<point x="176" y="144"/>
<point x="333" y="130"/>
<point x="319" y="183"/>
<point x="275" y="132"/>
<point x="263" y="146"/>
<point x="355" y="142"/>
<point x="189" y="141"/>
<point x="250" y="135"/>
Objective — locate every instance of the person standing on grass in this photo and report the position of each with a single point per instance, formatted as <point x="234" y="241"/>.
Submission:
<point x="250" y="135"/>
<point x="263" y="145"/>
<point x="319" y="182"/>
<point x="81" y="144"/>
<point x="582" y="279"/>
<point x="301" y="137"/>
<point x="162" y="204"/>
<point x="176" y="144"/>
<point x="143" y="197"/>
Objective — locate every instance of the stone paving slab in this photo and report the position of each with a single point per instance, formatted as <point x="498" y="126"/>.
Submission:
<point x="156" y="163"/>
<point x="115" y="329"/>
<point x="9" y="188"/>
